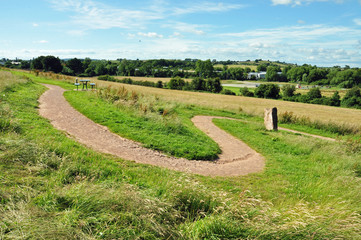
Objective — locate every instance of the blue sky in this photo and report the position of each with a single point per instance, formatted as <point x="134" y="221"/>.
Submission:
<point x="320" y="32"/>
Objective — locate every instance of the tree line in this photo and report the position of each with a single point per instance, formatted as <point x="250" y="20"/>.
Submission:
<point x="190" y="68"/>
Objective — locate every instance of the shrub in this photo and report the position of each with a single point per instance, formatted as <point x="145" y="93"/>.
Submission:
<point x="314" y="93"/>
<point x="352" y="98"/>
<point x="227" y="92"/>
<point x="288" y="91"/>
<point x="176" y="83"/>
<point x="267" y="91"/>
<point x="246" y="93"/>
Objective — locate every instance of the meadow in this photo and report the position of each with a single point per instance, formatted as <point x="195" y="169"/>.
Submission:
<point x="55" y="188"/>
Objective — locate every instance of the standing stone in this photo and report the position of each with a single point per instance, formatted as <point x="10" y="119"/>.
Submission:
<point x="270" y="119"/>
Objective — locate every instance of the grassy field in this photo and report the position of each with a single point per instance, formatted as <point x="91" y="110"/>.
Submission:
<point x="252" y="67"/>
<point x="254" y="106"/>
<point x="55" y="188"/>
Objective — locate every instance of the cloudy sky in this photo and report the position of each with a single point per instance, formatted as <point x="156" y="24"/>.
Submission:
<point x="320" y="32"/>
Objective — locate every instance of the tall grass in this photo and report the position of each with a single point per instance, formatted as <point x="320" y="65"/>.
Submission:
<point x="338" y="128"/>
<point x="7" y="80"/>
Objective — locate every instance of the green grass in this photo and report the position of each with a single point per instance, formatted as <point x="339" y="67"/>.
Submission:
<point x="55" y="188"/>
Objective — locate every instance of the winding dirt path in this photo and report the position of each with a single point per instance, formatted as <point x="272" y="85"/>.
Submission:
<point x="236" y="158"/>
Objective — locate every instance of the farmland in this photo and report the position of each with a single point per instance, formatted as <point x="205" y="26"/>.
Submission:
<point x="55" y="188"/>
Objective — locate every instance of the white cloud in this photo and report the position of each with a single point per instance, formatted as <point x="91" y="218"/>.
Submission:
<point x="150" y="35"/>
<point x="206" y="7"/>
<point x="95" y="15"/>
<point x="41" y="42"/>
<point x="296" y="33"/>
<point x="187" y="28"/>
<point x="300" y="2"/>
<point x="91" y="14"/>
<point x="357" y="21"/>
<point x="35" y="25"/>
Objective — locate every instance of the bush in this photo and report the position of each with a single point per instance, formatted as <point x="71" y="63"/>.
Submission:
<point x="227" y="92"/>
<point x="267" y="91"/>
<point x="288" y="91"/>
<point x="314" y="93"/>
<point x="176" y="83"/>
<point x="352" y="98"/>
<point x="246" y="92"/>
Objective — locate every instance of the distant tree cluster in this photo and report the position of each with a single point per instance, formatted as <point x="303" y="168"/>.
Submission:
<point x="352" y="98"/>
<point x="198" y="84"/>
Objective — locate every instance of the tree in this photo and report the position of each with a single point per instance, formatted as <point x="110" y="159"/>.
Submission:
<point x="75" y="65"/>
<point x="246" y="93"/>
<point x="100" y="68"/>
<point x="267" y="91"/>
<point x="214" y="85"/>
<point x="204" y="69"/>
<point x="198" y="84"/>
<point x="37" y="63"/>
<point x="335" y="99"/>
<point x="176" y="83"/>
<point x="288" y="90"/>
<point x="352" y="98"/>
<point x="53" y="64"/>
<point x="272" y="74"/>
<point x="262" y="67"/>
<point x="314" y="93"/>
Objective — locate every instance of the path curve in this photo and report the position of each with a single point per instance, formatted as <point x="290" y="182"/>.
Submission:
<point x="236" y="158"/>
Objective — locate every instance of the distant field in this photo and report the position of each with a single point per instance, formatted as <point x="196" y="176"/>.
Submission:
<point x="251" y="105"/>
<point x="252" y="67"/>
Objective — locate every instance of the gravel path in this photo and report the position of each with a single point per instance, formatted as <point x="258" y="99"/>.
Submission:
<point x="236" y="158"/>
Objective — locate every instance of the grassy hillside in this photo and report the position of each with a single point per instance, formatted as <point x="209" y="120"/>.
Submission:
<point x="55" y="188"/>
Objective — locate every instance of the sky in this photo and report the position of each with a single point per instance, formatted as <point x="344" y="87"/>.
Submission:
<point x="317" y="32"/>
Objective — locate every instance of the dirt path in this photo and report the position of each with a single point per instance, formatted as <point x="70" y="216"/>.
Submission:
<point x="236" y="158"/>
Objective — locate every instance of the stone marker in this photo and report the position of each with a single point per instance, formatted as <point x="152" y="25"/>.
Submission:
<point x="270" y="119"/>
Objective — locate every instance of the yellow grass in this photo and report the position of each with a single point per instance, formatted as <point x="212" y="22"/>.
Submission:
<point x="7" y="79"/>
<point x="250" y="105"/>
<point x="252" y="67"/>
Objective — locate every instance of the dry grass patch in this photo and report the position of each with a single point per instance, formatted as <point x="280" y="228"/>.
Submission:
<point x="250" y="105"/>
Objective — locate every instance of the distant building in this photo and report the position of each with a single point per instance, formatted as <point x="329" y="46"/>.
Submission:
<point x="256" y="75"/>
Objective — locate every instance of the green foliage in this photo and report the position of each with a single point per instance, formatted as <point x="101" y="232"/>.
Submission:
<point x="314" y="93"/>
<point x="204" y="69"/>
<point x="352" y="98"/>
<point x="75" y="65"/>
<point x="214" y="85"/>
<point x="48" y="63"/>
<point x="272" y="74"/>
<point x="198" y="84"/>
<point x="246" y="92"/>
<point x="288" y="91"/>
<point x="267" y="91"/>
<point x="227" y="92"/>
<point x="176" y="83"/>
